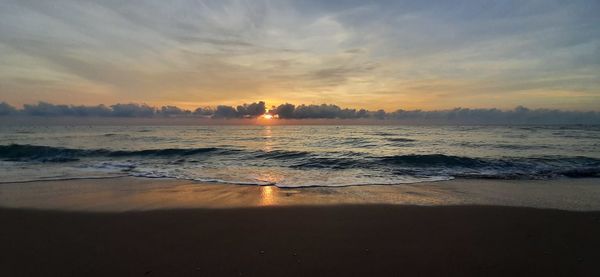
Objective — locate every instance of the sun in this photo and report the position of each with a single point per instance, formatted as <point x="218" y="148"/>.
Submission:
<point x="267" y="116"/>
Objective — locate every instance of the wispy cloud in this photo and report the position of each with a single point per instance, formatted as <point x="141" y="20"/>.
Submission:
<point x="382" y="54"/>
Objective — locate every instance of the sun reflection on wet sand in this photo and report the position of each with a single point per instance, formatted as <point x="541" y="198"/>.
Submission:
<point x="267" y="196"/>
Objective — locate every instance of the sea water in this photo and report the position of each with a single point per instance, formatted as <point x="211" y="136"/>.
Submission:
<point x="299" y="156"/>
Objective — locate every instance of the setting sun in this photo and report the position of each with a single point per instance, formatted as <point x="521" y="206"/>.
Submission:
<point x="267" y="116"/>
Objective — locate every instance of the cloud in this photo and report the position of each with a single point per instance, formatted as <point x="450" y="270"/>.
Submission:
<point x="519" y="115"/>
<point x="289" y="111"/>
<point x="6" y="109"/>
<point x="251" y="110"/>
<point x="472" y="53"/>
<point x="172" y="111"/>
<point x="133" y="110"/>
<point x="47" y="109"/>
<point x="223" y="111"/>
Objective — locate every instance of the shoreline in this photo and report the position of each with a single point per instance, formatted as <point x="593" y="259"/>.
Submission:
<point x="136" y="193"/>
<point x="346" y="240"/>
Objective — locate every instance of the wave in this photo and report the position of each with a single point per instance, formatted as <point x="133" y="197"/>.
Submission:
<point x="400" y="140"/>
<point x="280" y="154"/>
<point x="19" y="152"/>
<point x="432" y="160"/>
<point x="398" y="165"/>
<point x="450" y="160"/>
<point x="495" y="168"/>
<point x="164" y="152"/>
<point x="308" y="183"/>
<point x="329" y="163"/>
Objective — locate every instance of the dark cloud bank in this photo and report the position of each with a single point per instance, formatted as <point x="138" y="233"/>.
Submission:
<point x="519" y="115"/>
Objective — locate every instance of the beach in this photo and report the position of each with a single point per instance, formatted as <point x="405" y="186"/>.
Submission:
<point x="182" y="228"/>
<point x="359" y="240"/>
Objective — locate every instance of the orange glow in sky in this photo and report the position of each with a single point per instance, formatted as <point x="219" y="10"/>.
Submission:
<point x="430" y="55"/>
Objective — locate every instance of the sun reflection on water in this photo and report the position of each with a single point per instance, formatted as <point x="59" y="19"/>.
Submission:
<point x="267" y="135"/>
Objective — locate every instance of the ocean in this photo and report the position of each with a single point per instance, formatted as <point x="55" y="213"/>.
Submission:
<point x="299" y="156"/>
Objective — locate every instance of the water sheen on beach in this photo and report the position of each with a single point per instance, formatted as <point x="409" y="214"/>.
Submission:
<point x="300" y="156"/>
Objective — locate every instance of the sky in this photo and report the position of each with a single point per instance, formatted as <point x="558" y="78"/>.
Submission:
<point x="426" y="55"/>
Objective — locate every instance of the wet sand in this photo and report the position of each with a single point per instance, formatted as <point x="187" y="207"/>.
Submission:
<point x="134" y="194"/>
<point x="347" y="240"/>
